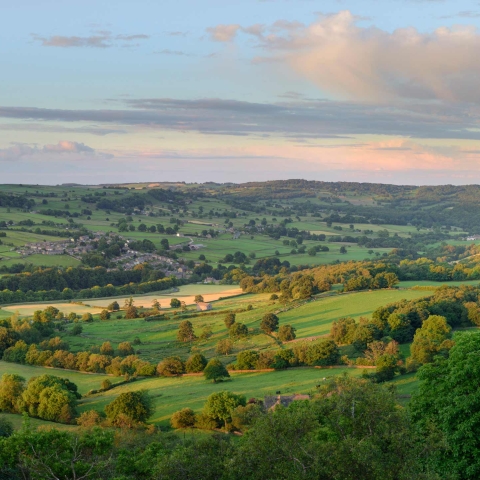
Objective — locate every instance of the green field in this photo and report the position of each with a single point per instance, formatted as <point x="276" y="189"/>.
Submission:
<point x="315" y="318"/>
<point x="431" y="283"/>
<point x="172" y="394"/>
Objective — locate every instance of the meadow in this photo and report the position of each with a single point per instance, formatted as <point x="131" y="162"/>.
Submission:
<point x="172" y="394"/>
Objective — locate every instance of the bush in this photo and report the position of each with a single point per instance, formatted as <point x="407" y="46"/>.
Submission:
<point x="286" y="333"/>
<point x="6" y="428"/>
<point x="131" y="312"/>
<point x="90" y="418"/>
<point x="229" y="320"/>
<point x="224" y="347"/>
<point x="247" y="360"/>
<point x="205" y="422"/>
<point x="238" y="330"/>
<point x="114" y="306"/>
<point x="273" y="296"/>
<point x="130" y="406"/>
<point x="106" y="385"/>
<point x="87" y="317"/>
<point x="171" y="367"/>
<point x="77" y="329"/>
<point x="125" y="348"/>
<point x="215" y="371"/>
<point x="184" y="418"/>
<point x="104" y="315"/>
<point x="196" y="363"/>
<point x="175" y="303"/>
<point x="269" y="323"/>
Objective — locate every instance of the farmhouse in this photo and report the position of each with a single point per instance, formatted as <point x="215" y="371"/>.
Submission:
<point x="203" y="306"/>
<point x="271" y="401"/>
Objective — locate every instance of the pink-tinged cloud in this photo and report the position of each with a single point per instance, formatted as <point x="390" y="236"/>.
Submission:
<point x="223" y="33"/>
<point x="367" y="63"/>
<point x="65" y="148"/>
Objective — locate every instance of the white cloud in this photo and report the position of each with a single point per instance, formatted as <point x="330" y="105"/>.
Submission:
<point x="64" y="148"/>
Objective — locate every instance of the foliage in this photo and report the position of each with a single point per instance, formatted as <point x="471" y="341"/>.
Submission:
<point x="220" y="405"/>
<point x="215" y="371"/>
<point x="135" y="406"/>
<point x="184" y="418"/>
<point x="269" y="323"/>
<point x="195" y="363"/>
<point x="171" y="367"/>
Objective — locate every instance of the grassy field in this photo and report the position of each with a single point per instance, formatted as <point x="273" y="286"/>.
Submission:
<point x="430" y="283"/>
<point x="315" y="318"/>
<point x="172" y="394"/>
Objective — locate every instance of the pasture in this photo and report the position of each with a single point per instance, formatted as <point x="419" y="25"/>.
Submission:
<point x="172" y="394"/>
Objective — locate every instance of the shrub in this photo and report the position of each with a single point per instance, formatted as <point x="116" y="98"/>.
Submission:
<point x="77" y="329"/>
<point x="130" y="406"/>
<point x="215" y="371"/>
<point x="238" y="330"/>
<point x="114" y="306"/>
<point x="184" y="418"/>
<point x="229" y="319"/>
<point x="224" y="347"/>
<point x="269" y="323"/>
<point x="106" y="384"/>
<point x="106" y="349"/>
<point x="90" y="418"/>
<point x="6" y="428"/>
<point x="286" y="333"/>
<point x="131" y="312"/>
<point x="125" y="348"/>
<point x="171" y="367"/>
<point x="87" y="317"/>
<point x="175" y="303"/>
<point x="104" y="315"/>
<point x="247" y="360"/>
<point x="185" y="332"/>
<point x="196" y="363"/>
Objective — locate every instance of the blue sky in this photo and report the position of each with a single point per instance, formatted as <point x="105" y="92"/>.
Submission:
<point x="98" y="91"/>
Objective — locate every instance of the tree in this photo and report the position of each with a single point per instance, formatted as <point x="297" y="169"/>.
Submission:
<point x="175" y="303"/>
<point x="128" y="302"/>
<point x="447" y="397"/>
<point x="135" y="406"/>
<point x="104" y="315"/>
<point x="77" y="329"/>
<point x="199" y="299"/>
<point x="6" y="428"/>
<point x="184" y="418"/>
<point x="322" y="353"/>
<point x="286" y="333"/>
<point x="87" y="317"/>
<point x="269" y="323"/>
<point x="51" y="398"/>
<point x="238" y="330"/>
<point x="224" y="347"/>
<point x="106" y="349"/>
<point x="196" y="363"/>
<point x="171" y="367"/>
<point x="343" y="330"/>
<point x="11" y="389"/>
<point x="215" y="371"/>
<point x="185" y="331"/>
<point x="156" y="305"/>
<point x="220" y="405"/>
<point x="114" y="306"/>
<point x="387" y="365"/>
<point x="247" y="360"/>
<point x="131" y="312"/>
<point x="229" y="320"/>
<point x="164" y="243"/>
<point x="431" y="339"/>
<point x="125" y="348"/>
<point x="343" y="249"/>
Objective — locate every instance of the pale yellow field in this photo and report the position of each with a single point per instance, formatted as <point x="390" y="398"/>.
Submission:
<point x="95" y="306"/>
<point x="146" y="300"/>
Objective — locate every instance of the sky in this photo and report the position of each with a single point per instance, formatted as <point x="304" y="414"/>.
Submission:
<point x="102" y="91"/>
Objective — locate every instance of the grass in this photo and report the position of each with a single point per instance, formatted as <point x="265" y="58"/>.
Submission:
<point x="431" y="283"/>
<point x="315" y="318"/>
<point x="43" y="260"/>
